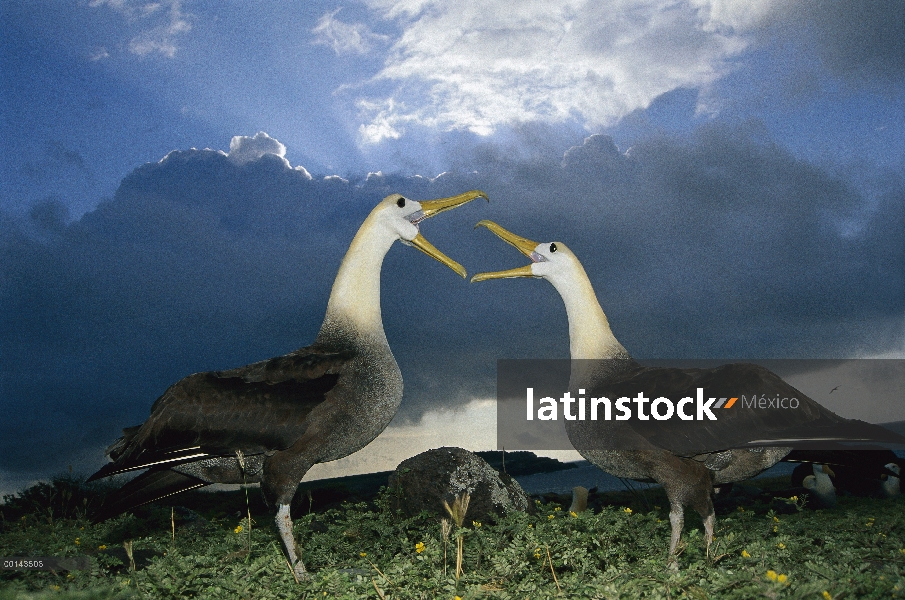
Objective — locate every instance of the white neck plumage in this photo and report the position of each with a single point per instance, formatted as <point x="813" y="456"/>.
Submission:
<point x="590" y="336"/>
<point x="354" y="304"/>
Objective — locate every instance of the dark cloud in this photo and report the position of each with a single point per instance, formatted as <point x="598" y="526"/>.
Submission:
<point x="59" y="153"/>
<point x="51" y="215"/>
<point x="863" y="42"/>
<point x="861" y="39"/>
<point x="720" y="244"/>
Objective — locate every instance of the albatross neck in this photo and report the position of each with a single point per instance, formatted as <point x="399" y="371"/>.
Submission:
<point x="353" y="311"/>
<point x="590" y="336"/>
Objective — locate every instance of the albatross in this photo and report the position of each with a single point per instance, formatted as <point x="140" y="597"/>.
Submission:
<point x="687" y="458"/>
<point x="270" y="421"/>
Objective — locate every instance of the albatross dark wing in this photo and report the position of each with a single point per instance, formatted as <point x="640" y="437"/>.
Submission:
<point x="147" y="487"/>
<point x="744" y="424"/>
<point x="257" y="408"/>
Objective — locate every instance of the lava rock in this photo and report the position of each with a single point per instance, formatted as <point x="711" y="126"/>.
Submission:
<point x="425" y="481"/>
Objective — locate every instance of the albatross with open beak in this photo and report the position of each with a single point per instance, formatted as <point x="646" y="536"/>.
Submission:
<point x="687" y="459"/>
<point x="270" y="421"/>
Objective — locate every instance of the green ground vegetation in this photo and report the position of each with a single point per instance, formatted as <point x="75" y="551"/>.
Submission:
<point x="363" y="550"/>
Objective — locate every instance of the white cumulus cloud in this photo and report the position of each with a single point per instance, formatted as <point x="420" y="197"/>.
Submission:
<point x="477" y="65"/>
<point x="243" y="149"/>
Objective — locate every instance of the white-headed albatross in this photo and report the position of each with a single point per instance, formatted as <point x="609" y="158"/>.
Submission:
<point x="686" y="458"/>
<point x="819" y="484"/>
<point x="283" y="415"/>
<point x="863" y="472"/>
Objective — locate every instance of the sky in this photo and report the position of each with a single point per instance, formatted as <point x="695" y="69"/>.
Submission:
<point x="180" y="180"/>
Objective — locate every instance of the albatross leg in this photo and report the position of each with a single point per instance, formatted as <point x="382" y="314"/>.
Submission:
<point x="677" y="520"/>
<point x="686" y="483"/>
<point x="709" y="522"/>
<point x="284" y="526"/>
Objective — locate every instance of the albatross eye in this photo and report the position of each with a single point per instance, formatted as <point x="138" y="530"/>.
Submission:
<point x="400" y="203"/>
<point x="552" y="247"/>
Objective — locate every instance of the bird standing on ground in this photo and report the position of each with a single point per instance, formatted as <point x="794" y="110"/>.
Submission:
<point x="863" y="472"/>
<point x="270" y="421"/>
<point x="816" y="479"/>
<point x="686" y="458"/>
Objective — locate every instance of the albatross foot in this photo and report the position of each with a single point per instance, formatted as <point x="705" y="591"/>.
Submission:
<point x="300" y="573"/>
<point x="673" y="563"/>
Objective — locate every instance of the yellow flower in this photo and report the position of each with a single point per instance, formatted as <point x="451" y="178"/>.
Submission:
<point x="794" y="498"/>
<point x="419" y="547"/>
<point x="781" y="578"/>
<point x="77" y="541"/>
<point x="741" y="508"/>
<point x="458" y="598"/>
<point x="775" y="528"/>
<point x="776" y="519"/>
<point x="781" y="546"/>
<point x="771" y="575"/>
<point x="237" y="529"/>
<point x="573" y="513"/>
<point x="557" y="509"/>
<point x="362" y="554"/>
<point x="745" y="554"/>
<point x="627" y="510"/>
<point x="549" y="516"/>
<point x="102" y="547"/>
<point x="827" y="595"/>
<point x="476" y="523"/>
<point x="902" y="550"/>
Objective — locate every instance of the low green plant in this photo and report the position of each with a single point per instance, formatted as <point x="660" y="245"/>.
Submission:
<point x="856" y="550"/>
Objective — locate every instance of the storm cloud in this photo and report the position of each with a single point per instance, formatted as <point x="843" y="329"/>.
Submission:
<point x="716" y="245"/>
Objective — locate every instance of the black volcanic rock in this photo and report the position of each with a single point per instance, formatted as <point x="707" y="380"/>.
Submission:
<point x="425" y="481"/>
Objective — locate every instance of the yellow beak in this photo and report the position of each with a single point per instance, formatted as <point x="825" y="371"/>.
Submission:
<point x="429" y="208"/>
<point x="523" y="245"/>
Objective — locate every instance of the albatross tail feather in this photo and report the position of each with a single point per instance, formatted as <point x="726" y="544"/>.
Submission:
<point x="147" y="487"/>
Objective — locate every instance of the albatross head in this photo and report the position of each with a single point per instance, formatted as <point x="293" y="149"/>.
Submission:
<point x="590" y="336"/>
<point x="402" y="216"/>
<point x="552" y="261"/>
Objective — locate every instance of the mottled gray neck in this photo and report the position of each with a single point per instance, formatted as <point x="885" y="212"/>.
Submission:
<point x="354" y="305"/>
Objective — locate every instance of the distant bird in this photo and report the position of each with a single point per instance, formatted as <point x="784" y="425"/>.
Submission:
<point x="834" y="389"/>
<point x="892" y="485"/>
<point x="860" y="472"/>
<point x="270" y="421"/>
<point x="579" y="500"/>
<point x="817" y="480"/>
<point x="686" y="458"/>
